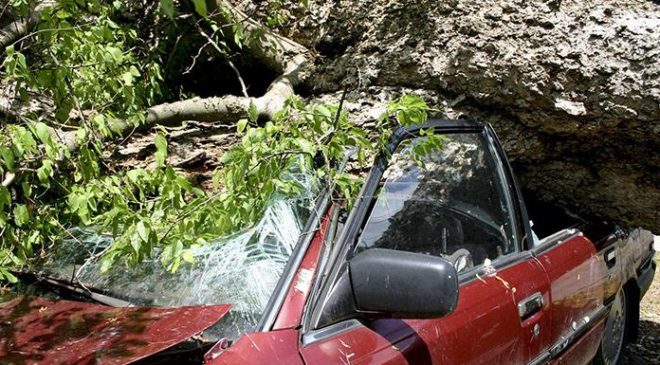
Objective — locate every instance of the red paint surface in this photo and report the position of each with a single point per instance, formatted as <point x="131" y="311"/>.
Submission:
<point x="584" y="350"/>
<point x="484" y="329"/>
<point x="291" y="313"/>
<point x="267" y="348"/>
<point x="577" y="275"/>
<point x="40" y="331"/>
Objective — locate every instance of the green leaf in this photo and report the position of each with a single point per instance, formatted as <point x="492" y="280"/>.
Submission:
<point x="135" y="175"/>
<point x="45" y="172"/>
<point x="21" y="215"/>
<point x="81" y="135"/>
<point x="161" y="149"/>
<point x="27" y="189"/>
<point x="41" y="130"/>
<point x="187" y="256"/>
<point x="241" y="125"/>
<point x="143" y="231"/>
<point x="4" y="273"/>
<point x="20" y="62"/>
<point x="115" y="53"/>
<point x="324" y="112"/>
<point x="136" y="243"/>
<point x="127" y="78"/>
<point x="5" y="198"/>
<point x="200" y="7"/>
<point x="253" y="113"/>
<point x="167" y="7"/>
<point x="7" y="156"/>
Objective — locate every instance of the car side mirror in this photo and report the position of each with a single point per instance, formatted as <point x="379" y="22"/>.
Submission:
<point x="383" y="283"/>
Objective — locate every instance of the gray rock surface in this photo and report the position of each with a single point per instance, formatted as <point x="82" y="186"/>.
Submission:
<point x="572" y="87"/>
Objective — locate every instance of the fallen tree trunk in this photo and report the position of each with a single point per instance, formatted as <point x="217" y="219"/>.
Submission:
<point x="229" y="107"/>
<point x="17" y="29"/>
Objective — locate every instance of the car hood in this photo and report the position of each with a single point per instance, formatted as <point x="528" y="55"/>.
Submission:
<point x="40" y="331"/>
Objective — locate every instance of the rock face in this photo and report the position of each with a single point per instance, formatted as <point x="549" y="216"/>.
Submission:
<point x="572" y="87"/>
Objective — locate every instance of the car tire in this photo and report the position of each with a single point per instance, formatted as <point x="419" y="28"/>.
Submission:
<point x="610" y="351"/>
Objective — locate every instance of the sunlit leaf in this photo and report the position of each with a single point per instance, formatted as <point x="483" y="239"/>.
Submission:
<point x="143" y="231"/>
<point x="161" y="149"/>
<point x="200" y="7"/>
<point x="21" y="215"/>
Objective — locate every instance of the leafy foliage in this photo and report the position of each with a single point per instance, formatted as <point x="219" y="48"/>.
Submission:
<point x="98" y="72"/>
<point x="91" y="69"/>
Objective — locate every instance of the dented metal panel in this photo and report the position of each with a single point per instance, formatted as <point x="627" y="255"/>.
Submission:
<point x="39" y="331"/>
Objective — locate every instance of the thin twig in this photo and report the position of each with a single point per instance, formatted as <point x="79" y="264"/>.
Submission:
<point x="42" y="31"/>
<point x="171" y="55"/>
<point x="194" y="61"/>
<point x="92" y="259"/>
<point x="238" y="76"/>
<point x="328" y="135"/>
<point x="124" y="140"/>
<point x="341" y="106"/>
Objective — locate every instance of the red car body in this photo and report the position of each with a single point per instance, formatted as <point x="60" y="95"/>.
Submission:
<point x="547" y="303"/>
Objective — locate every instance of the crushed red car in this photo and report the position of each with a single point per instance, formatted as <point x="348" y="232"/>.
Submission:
<point x="440" y="261"/>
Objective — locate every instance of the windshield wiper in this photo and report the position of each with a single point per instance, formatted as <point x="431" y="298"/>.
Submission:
<point x="76" y="288"/>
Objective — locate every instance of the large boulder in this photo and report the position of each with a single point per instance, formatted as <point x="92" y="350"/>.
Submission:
<point x="572" y="87"/>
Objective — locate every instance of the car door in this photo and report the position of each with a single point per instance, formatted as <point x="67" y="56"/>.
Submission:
<point x="577" y="273"/>
<point x="485" y="328"/>
<point x="458" y="203"/>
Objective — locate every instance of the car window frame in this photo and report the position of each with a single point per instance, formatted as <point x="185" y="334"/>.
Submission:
<point x="504" y="187"/>
<point x="359" y="214"/>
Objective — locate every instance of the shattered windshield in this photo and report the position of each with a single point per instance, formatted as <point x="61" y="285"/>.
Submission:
<point x="241" y="270"/>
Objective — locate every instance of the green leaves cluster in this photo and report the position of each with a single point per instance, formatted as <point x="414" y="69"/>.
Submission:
<point x="25" y="224"/>
<point x="411" y="110"/>
<point x="143" y="209"/>
<point x="86" y="64"/>
<point x="318" y="134"/>
<point x="92" y="69"/>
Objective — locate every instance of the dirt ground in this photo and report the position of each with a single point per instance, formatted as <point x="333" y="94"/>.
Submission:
<point x="647" y="350"/>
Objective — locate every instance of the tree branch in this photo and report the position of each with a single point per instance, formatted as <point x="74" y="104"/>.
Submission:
<point x="272" y="48"/>
<point x="288" y="56"/>
<point x="291" y="58"/>
<point x="9" y="178"/>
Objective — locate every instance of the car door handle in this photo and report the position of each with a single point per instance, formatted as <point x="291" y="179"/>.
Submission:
<point x="530" y="305"/>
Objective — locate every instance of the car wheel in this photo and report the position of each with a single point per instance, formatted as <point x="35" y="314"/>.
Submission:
<point x="611" y="347"/>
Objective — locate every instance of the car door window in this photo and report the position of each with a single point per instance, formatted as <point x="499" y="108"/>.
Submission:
<point x="450" y="202"/>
